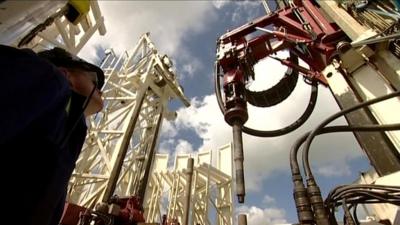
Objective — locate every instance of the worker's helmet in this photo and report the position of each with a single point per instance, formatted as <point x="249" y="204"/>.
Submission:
<point x="61" y="57"/>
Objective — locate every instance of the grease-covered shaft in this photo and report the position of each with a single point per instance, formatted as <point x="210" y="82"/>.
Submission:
<point x="238" y="157"/>
<point x="236" y="115"/>
<point x="242" y="219"/>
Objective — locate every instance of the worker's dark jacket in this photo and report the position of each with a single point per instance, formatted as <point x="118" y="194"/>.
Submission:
<point x="37" y="110"/>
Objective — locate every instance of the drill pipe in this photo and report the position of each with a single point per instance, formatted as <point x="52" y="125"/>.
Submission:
<point x="238" y="152"/>
<point x="242" y="219"/>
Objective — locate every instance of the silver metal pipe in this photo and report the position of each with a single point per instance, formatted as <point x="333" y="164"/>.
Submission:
<point x="119" y="161"/>
<point x="188" y="191"/>
<point x="266" y="6"/>
<point x="242" y="219"/>
<point x="238" y="157"/>
<point x="375" y="40"/>
<point x="265" y="30"/>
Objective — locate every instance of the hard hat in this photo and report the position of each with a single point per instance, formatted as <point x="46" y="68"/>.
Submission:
<point x="61" y="57"/>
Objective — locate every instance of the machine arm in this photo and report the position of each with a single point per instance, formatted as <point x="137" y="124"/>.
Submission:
<point x="299" y="28"/>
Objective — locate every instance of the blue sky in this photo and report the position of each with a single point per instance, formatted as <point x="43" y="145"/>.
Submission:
<point x="187" y="31"/>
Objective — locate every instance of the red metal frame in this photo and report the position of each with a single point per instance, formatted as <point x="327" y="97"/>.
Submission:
<point x="130" y="213"/>
<point x="320" y="42"/>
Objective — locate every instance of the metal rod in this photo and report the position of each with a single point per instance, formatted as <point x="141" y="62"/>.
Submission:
<point x="380" y="12"/>
<point x="188" y="191"/>
<point x="123" y="149"/>
<point x="266" y="6"/>
<point x="265" y="30"/>
<point x="375" y="40"/>
<point x="143" y="182"/>
<point x="242" y="219"/>
<point x="239" y="156"/>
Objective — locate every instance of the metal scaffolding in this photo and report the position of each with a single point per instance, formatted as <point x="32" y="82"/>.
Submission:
<point x="194" y="193"/>
<point x="121" y="139"/>
<point x="20" y="17"/>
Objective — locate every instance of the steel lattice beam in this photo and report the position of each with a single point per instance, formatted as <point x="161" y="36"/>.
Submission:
<point x="206" y="178"/>
<point x="121" y="139"/>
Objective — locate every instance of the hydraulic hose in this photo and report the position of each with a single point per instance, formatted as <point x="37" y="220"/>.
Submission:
<point x="313" y="191"/>
<point x="294" y="165"/>
<point x="271" y="133"/>
<point x="355" y="194"/>
<point x="303" y="205"/>
<point x="279" y="92"/>
<point x="306" y="163"/>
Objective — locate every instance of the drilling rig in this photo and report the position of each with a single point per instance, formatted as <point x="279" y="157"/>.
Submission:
<point x="119" y="178"/>
<point x="112" y="172"/>
<point x="350" y="47"/>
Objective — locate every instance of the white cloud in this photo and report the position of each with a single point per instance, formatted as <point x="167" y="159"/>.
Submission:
<point x="263" y="156"/>
<point x="334" y="170"/>
<point x="169" y="23"/>
<point x="245" y="10"/>
<point x="205" y="118"/>
<point x="266" y="216"/>
<point x="173" y="145"/>
<point x="168" y="130"/>
<point x="184" y="146"/>
<point x="191" y="67"/>
<point x="167" y="146"/>
<point x="220" y="3"/>
<point x="268" y="200"/>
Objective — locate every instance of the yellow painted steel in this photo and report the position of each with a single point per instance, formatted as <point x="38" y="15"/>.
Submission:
<point x="78" y="10"/>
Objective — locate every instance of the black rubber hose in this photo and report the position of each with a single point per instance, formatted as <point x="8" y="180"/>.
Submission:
<point x="357" y="194"/>
<point x="343" y="188"/>
<point x="341" y="191"/>
<point x="296" y="175"/>
<point x="294" y="165"/>
<point x="355" y="217"/>
<point x="306" y="163"/>
<point x="279" y="92"/>
<point x="271" y="133"/>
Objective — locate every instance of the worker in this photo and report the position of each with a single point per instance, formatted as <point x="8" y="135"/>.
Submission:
<point x="45" y="98"/>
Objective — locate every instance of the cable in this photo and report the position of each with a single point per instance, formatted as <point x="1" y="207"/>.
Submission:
<point x="303" y="206"/>
<point x="347" y="190"/>
<point x="347" y="218"/>
<point x="85" y="104"/>
<point x="278" y="92"/>
<point x="355" y="217"/>
<point x="309" y="139"/>
<point x="294" y="165"/>
<point x="340" y="189"/>
<point x="272" y="133"/>
<point x="350" y="196"/>
<point x="313" y="191"/>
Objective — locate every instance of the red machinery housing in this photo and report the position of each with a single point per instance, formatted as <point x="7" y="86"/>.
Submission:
<point x="128" y="211"/>
<point x="299" y="28"/>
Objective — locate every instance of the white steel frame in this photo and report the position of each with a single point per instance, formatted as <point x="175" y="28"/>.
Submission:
<point x="205" y="177"/>
<point x="138" y="86"/>
<point x="61" y="33"/>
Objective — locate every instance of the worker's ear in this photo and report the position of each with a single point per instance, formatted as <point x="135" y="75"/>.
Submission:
<point x="66" y="73"/>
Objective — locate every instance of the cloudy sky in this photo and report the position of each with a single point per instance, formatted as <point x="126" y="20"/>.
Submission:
<point x="187" y="31"/>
